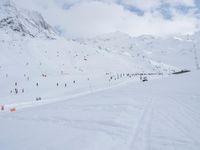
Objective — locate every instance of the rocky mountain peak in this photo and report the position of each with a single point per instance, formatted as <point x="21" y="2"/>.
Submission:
<point x="23" y="22"/>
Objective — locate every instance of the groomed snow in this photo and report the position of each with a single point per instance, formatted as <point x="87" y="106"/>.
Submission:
<point x="87" y="94"/>
<point x="160" y="114"/>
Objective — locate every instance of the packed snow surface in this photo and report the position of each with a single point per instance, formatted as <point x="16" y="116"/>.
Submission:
<point x="88" y="94"/>
<point x="160" y="114"/>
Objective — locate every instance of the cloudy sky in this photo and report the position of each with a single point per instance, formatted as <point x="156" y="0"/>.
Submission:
<point x="88" y="18"/>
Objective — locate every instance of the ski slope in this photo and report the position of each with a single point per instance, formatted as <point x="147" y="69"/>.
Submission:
<point x="36" y="62"/>
<point x="161" y="114"/>
<point x="90" y="92"/>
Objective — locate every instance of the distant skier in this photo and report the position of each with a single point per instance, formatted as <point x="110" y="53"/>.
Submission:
<point x="140" y="77"/>
<point x="38" y="98"/>
<point x="16" y="91"/>
<point x="144" y="79"/>
<point x="2" y="107"/>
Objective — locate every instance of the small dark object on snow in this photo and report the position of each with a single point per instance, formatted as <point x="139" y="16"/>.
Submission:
<point x="144" y="79"/>
<point x="44" y="75"/>
<point x="38" y="98"/>
<point x="16" y="91"/>
<point x="180" y="72"/>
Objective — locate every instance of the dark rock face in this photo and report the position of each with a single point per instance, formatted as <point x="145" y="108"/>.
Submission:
<point x="14" y="25"/>
<point x="24" y="22"/>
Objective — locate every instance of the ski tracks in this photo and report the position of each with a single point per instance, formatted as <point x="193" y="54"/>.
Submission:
<point x="176" y="126"/>
<point x="141" y="135"/>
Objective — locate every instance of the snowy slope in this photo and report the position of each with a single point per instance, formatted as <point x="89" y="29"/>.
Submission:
<point x="23" y="22"/>
<point x="87" y="93"/>
<point x="177" y="50"/>
<point x="38" y="63"/>
<point x="161" y="114"/>
<point x="172" y="51"/>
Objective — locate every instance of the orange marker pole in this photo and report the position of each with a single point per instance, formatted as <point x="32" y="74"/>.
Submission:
<point x="13" y="110"/>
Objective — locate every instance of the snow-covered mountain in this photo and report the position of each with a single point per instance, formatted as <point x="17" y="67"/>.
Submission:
<point x="23" y="22"/>
<point x="172" y="51"/>
<point x="31" y="52"/>
<point x="95" y="88"/>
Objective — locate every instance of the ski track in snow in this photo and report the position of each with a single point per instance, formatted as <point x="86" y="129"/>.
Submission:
<point x="24" y="105"/>
<point x="130" y="119"/>
<point x="155" y="115"/>
<point x="143" y="129"/>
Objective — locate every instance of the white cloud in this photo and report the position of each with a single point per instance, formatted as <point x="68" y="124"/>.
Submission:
<point x="189" y="3"/>
<point x="87" y="18"/>
<point x="145" y="5"/>
<point x="156" y="25"/>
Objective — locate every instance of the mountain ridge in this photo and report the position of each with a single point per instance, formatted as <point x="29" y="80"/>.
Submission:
<point x="24" y="22"/>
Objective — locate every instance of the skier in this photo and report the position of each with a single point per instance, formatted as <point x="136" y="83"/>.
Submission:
<point x="16" y="91"/>
<point x="2" y="107"/>
<point x="140" y="77"/>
